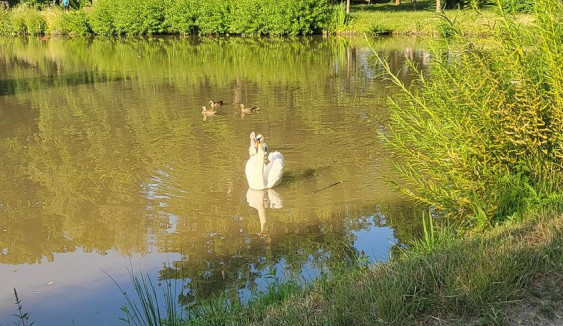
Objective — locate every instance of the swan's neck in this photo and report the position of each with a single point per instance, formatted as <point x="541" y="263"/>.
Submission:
<point x="261" y="158"/>
<point x="255" y="169"/>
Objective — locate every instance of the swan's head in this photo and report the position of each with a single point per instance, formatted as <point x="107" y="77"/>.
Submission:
<point x="259" y="139"/>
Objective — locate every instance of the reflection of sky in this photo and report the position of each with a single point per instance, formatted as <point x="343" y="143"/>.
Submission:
<point x="375" y="242"/>
<point x="74" y="288"/>
<point x="57" y="292"/>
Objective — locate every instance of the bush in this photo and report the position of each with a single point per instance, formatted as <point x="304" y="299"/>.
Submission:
<point x="145" y="17"/>
<point x="138" y="17"/>
<point x="181" y="16"/>
<point x="214" y="16"/>
<point x="61" y="22"/>
<point x="101" y="18"/>
<point x="514" y="6"/>
<point x="28" y="20"/>
<point x="483" y="136"/>
<point x="75" y="23"/>
<point x="6" y="27"/>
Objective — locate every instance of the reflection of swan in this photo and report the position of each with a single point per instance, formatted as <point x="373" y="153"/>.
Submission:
<point x="262" y="199"/>
<point x="259" y="175"/>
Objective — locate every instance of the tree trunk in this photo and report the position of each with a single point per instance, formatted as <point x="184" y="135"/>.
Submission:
<point x="438" y="6"/>
<point x="347" y="7"/>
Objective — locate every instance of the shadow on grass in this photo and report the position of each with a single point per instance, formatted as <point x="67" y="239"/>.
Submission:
<point x="392" y="7"/>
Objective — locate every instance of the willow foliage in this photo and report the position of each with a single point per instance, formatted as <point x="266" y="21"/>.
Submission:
<point x="483" y="135"/>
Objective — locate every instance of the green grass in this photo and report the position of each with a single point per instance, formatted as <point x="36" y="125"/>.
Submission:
<point x="403" y="20"/>
<point x="480" y="279"/>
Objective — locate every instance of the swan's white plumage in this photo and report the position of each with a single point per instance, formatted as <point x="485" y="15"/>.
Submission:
<point x="252" y="148"/>
<point x="259" y="175"/>
<point x="254" y="172"/>
<point x="274" y="170"/>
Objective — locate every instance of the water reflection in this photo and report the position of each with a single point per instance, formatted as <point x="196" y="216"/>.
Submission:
<point x="261" y="200"/>
<point x="104" y="152"/>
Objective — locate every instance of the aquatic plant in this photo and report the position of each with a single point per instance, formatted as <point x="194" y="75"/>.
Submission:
<point x="23" y="317"/>
<point x="147" y="308"/>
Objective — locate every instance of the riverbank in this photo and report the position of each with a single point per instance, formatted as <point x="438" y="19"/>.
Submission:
<point x="511" y="275"/>
<point x="421" y="19"/>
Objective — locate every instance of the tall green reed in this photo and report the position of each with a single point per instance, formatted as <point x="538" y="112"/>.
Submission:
<point x="482" y="135"/>
<point x="23" y="317"/>
<point x="149" y="307"/>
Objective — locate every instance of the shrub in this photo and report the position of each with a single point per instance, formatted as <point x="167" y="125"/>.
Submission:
<point x="514" y="6"/>
<point x="483" y="136"/>
<point x="6" y="27"/>
<point x="138" y="17"/>
<point x="214" y="17"/>
<point x="145" y="17"/>
<point x="75" y="23"/>
<point x="181" y="16"/>
<point x="27" y="20"/>
<point x="101" y="18"/>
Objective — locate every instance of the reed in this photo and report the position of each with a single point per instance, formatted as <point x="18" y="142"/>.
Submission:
<point x="483" y="134"/>
<point x="149" y="307"/>
<point x="23" y="317"/>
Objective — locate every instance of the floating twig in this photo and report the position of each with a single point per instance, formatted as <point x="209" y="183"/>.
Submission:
<point x="332" y="185"/>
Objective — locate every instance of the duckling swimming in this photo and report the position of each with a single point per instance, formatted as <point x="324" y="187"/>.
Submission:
<point x="215" y="104"/>
<point x="248" y="110"/>
<point x="205" y="112"/>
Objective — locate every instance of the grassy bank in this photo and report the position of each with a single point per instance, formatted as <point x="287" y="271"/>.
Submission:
<point x="479" y="279"/>
<point x="421" y="19"/>
<point x="508" y="276"/>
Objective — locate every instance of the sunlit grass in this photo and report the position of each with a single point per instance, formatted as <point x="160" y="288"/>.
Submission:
<point x="480" y="139"/>
<point x="422" y="20"/>
<point x="462" y="278"/>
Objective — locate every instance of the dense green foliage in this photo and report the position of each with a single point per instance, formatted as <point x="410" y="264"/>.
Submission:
<point x="146" y="17"/>
<point x="518" y="5"/>
<point x="483" y="136"/>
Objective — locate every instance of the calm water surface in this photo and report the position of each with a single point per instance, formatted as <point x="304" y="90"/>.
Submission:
<point x="107" y="165"/>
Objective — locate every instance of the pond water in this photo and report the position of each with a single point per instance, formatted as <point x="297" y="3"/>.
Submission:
<point x="108" y="166"/>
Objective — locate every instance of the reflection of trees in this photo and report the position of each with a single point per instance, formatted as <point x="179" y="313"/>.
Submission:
<point x="102" y="147"/>
<point x="229" y="264"/>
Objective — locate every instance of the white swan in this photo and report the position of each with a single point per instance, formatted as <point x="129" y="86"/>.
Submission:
<point x="258" y="174"/>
